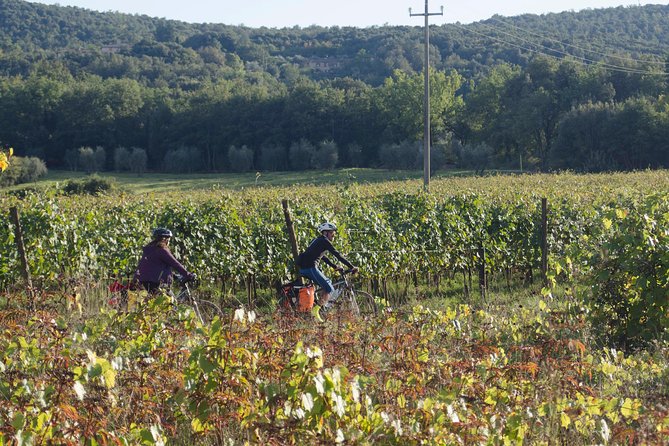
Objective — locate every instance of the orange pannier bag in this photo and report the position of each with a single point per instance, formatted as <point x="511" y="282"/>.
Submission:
<point x="305" y="298"/>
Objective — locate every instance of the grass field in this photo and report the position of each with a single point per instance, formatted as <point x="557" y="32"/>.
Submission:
<point x="161" y="182"/>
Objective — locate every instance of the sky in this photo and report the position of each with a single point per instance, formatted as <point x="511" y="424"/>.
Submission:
<point x="359" y="13"/>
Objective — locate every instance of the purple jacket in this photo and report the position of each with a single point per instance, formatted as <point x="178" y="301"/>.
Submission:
<point x="156" y="265"/>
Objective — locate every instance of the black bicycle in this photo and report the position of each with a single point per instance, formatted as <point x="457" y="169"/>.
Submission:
<point x="344" y="298"/>
<point x="205" y="310"/>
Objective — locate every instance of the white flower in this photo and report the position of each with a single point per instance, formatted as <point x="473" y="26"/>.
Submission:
<point x="315" y="353"/>
<point x="336" y="376"/>
<point x="299" y="413"/>
<point x="157" y="437"/>
<point x="340" y="437"/>
<point x="239" y="315"/>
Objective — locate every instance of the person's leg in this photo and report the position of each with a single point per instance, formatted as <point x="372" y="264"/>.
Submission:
<point x="326" y="288"/>
<point x="151" y="287"/>
<point x="321" y="280"/>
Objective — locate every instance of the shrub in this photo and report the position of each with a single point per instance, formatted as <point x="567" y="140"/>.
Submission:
<point x="93" y="185"/>
<point x="404" y="155"/>
<point x="630" y="282"/>
<point x="86" y="159"/>
<point x="473" y="156"/>
<point x="23" y="170"/>
<point x="72" y="159"/>
<point x="625" y="262"/>
<point x="100" y="157"/>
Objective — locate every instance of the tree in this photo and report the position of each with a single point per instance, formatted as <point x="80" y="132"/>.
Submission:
<point x="400" y="103"/>
<point x="325" y="156"/>
<point x="240" y="159"/>
<point x="185" y="159"/>
<point x="86" y="159"/>
<point x="273" y="157"/>
<point x="122" y="159"/>
<point x="404" y="155"/>
<point x="138" y="160"/>
<point x="100" y="156"/>
<point x="354" y="155"/>
<point x="300" y="154"/>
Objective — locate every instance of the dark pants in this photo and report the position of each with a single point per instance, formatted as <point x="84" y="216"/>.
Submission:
<point x="151" y="287"/>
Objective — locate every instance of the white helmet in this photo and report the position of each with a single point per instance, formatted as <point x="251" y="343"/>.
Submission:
<point x="327" y="227"/>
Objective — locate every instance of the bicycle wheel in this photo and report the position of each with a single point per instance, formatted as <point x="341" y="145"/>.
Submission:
<point x="365" y="302"/>
<point x="206" y="311"/>
<point x="348" y="302"/>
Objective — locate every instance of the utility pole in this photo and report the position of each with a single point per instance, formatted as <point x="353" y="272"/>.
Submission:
<point x="426" y="99"/>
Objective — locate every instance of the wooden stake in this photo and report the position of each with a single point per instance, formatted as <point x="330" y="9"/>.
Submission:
<point x="291" y="235"/>
<point x="18" y="235"/>
<point x="544" y="240"/>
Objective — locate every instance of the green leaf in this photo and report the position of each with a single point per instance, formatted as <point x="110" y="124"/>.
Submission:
<point x="19" y="421"/>
<point x="206" y="365"/>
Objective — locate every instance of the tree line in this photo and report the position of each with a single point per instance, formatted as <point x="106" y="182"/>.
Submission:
<point x="180" y="97"/>
<point x="548" y="115"/>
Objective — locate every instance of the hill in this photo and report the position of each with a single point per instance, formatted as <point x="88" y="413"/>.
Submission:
<point x="93" y="91"/>
<point x="79" y="38"/>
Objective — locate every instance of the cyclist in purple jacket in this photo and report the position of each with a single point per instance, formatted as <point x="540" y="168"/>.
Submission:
<point x="308" y="264"/>
<point x="155" y="267"/>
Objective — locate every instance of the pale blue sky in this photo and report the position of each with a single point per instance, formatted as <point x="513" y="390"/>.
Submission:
<point x="360" y="13"/>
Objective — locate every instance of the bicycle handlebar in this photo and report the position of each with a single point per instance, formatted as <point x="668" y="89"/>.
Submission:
<point x="183" y="280"/>
<point x="348" y="271"/>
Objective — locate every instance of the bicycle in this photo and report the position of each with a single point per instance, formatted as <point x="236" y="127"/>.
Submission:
<point x="344" y="297"/>
<point x="205" y="310"/>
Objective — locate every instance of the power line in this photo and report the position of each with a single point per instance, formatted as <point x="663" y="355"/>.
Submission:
<point x="578" y="59"/>
<point x="627" y="59"/>
<point x="631" y="70"/>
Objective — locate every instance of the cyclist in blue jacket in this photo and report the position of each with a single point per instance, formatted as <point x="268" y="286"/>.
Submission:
<point x="308" y="264"/>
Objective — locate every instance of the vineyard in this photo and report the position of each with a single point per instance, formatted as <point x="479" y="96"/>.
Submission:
<point x="577" y="356"/>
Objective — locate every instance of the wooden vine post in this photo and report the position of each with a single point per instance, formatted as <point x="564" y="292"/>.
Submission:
<point x="18" y="236"/>
<point x="291" y="235"/>
<point x="483" y="280"/>
<point x="544" y="241"/>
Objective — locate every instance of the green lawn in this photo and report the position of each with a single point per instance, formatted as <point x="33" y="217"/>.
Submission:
<point x="160" y="182"/>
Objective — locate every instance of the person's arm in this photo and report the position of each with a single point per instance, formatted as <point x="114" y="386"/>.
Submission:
<point x="329" y="262"/>
<point x="335" y="253"/>
<point x="167" y="257"/>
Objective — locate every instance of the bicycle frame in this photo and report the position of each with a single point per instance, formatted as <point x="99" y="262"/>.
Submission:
<point x="206" y="311"/>
<point x="360" y="302"/>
